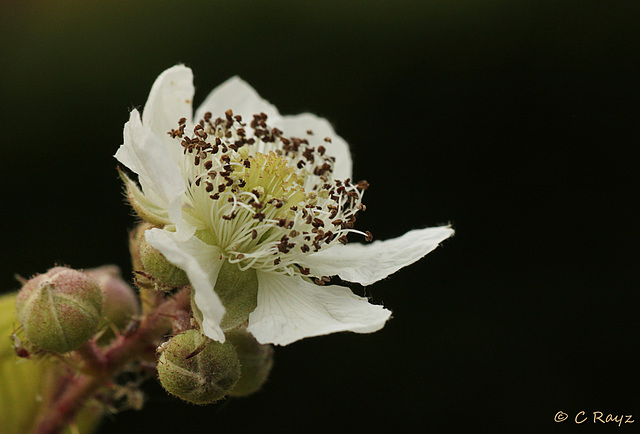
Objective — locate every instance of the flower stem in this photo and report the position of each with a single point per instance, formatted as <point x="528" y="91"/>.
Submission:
<point x="137" y="344"/>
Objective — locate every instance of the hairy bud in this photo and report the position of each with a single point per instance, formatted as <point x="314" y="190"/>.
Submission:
<point x="157" y="266"/>
<point x="120" y="302"/>
<point x="198" y="369"/>
<point x="59" y="310"/>
<point x="256" y="361"/>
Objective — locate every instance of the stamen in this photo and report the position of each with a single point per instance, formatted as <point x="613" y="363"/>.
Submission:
<point x="265" y="199"/>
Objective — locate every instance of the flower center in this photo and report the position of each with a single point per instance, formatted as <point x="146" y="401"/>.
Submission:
<point x="264" y="199"/>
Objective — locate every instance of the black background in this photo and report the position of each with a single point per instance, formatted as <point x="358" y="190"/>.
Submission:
<point x="516" y="121"/>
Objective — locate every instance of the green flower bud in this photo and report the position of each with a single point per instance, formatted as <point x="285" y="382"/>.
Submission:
<point x="59" y="310"/>
<point x="157" y="266"/>
<point x="198" y="369"/>
<point x="136" y="237"/>
<point x="120" y="302"/>
<point x="256" y="361"/>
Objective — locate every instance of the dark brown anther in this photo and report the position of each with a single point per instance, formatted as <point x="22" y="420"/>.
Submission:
<point x="363" y="185"/>
<point x="304" y="248"/>
<point x="305" y="271"/>
<point x="343" y="239"/>
<point x="318" y="223"/>
<point x="209" y="187"/>
<point x="308" y="154"/>
<point x="369" y="236"/>
<point x="276" y="261"/>
<point x="254" y="234"/>
<point x="208" y="164"/>
<point x="329" y="236"/>
<point x="309" y="132"/>
<point x="216" y="196"/>
<point x="321" y="150"/>
<point x="182" y="121"/>
<point x="207" y="116"/>
<point x="327" y="139"/>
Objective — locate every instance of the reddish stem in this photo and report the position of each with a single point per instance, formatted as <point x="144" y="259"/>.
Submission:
<point x="103" y="364"/>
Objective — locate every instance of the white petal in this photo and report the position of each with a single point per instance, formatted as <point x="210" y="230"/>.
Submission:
<point x="298" y="125"/>
<point x="202" y="264"/>
<point x="366" y="264"/>
<point x="237" y="95"/>
<point x="144" y="154"/>
<point x="290" y="309"/>
<point x="170" y="99"/>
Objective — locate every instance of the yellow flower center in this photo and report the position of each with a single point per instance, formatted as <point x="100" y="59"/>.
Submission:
<point x="265" y="200"/>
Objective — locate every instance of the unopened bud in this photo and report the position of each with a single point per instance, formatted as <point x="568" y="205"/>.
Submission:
<point x="59" y="310"/>
<point x="136" y="237"/>
<point x="196" y="368"/>
<point x="158" y="267"/>
<point x="256" y="361"/>
<point x="120" y="302"/>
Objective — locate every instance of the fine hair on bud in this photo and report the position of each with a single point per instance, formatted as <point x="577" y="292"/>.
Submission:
<point x="256" y="361"/>
<point x="158" y="267"/>
<point x="59" y="310"/>
<point x="120" y="303"/>
<point x="198" y="369"/>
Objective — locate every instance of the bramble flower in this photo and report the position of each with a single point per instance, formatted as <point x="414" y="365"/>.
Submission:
<point x="241" y="185"/>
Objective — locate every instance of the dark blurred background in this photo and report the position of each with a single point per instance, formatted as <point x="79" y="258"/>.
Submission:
<point x="515" y="121"/>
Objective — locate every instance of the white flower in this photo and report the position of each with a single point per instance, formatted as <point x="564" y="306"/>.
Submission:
<point x="271" y="193"/>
